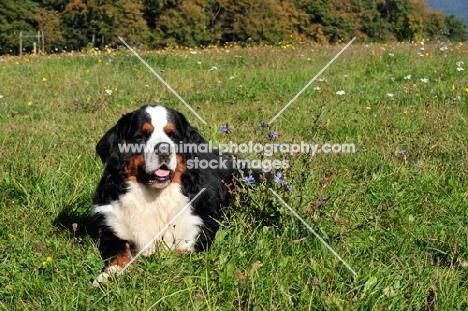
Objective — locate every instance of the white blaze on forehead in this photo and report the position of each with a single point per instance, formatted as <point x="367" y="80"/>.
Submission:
<point x="158" y="115"/>
<point x="159" y="120"/>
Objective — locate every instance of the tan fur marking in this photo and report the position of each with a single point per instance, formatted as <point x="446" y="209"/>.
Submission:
<point x="147" y="128"/>
<point x="169" y="128"/>
<point x="180" y="169"/>
<point x="122" y="259"/>
<point x="131" y="169"/>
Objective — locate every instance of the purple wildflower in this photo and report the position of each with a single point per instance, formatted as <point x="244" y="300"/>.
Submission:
<point x="250" y="178"/>
<point x="279" y="177"/>
<point x="224" y="128"/>
<point x="273" y="134"/>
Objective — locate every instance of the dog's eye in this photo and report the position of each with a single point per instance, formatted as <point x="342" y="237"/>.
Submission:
<point x="172" y="135"/>
<point x="141" y="136"/>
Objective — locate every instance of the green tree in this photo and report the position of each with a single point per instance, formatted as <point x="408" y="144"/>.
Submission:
<point x="102" y="19"/>
<point x="100" y="22"/>
<point x="131" y="24"/>
<point x="456" y="29"/>
<point x="53" y="5"/>
<point x="16" y="16"/>
<point x="373" y="25"/>
<point x="108" y="19"/>
<point x="152" y="9"/>
<point x="49" y="22"/>
<point x="403" y="18"/>
<point x="75" y="21"/>
<point x="263" y="20"/>
<point x="318" y="18"/>
<point x="435" y="27"/>
<point x="184" y="23"/>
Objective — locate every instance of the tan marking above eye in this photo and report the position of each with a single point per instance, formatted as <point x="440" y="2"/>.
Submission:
<point x="147" y="128"/>
<point x="169" y="128"/>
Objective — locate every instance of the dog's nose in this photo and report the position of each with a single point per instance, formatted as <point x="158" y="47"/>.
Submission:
<point x="163" y="150"/>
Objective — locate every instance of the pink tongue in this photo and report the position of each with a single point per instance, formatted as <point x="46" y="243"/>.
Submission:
<point x="162" y="173"/>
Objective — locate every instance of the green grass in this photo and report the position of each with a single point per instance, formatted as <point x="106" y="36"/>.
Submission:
<point x="399" y="220"/>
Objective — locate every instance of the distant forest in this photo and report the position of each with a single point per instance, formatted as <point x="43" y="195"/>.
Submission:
<point x="80" y="24"/>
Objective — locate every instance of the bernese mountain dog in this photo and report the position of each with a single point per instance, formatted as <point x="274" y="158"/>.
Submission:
<point x="147" y="181"/>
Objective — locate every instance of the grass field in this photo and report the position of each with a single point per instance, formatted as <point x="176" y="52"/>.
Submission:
<point x="396" y="210"/>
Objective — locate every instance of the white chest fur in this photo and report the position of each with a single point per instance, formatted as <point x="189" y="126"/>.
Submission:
<point x="140" y="214"/>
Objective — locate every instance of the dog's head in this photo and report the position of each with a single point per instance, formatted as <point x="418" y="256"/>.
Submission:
<point x="144" y="144"/>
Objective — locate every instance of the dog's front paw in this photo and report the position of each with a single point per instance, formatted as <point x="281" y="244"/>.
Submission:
<point x="104" y="276"/>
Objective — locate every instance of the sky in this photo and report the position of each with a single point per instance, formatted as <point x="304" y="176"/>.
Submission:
<point x="459" y="8"/>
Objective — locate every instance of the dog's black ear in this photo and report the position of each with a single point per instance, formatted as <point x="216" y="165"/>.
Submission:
<point x="108" y="146"/>
<point x="194" y="136"/>
<point x="190" y="133"/>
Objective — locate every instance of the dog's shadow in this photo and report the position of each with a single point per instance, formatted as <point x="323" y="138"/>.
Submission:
<point x="80" y="223"/>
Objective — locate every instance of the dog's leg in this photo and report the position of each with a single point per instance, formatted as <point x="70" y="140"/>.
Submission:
<point x="115" y="252"/>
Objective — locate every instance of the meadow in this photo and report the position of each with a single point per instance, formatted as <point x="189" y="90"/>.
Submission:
<point x="395" y="209"/>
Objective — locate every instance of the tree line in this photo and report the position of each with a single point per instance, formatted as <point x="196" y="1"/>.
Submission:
<point x="79" y="24"/>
